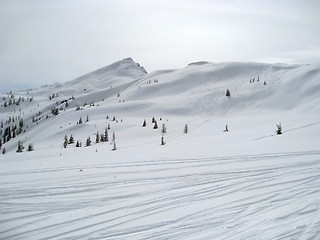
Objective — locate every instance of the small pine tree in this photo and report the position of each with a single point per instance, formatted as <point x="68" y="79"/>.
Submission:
<point x="144" y="123"/>
<point x="155" y="125"/>
<point x="264" y="83"/>
<point x="78" y="144"/>
<point x="106" y="136"/>
<point x="109" y="126"/>
<point x="88" y="142"/>
<point x="163" y="129"/>
<point x="153" y="120"/>
<point x="114" y="146"/>
<point x="97" y="138"/>
<point x="113" y="137"/>
<point x="4" y="151"/>
<point x="228" y="94"/>
<point x="30" y="147"/>
<point x="226" y="130"/>
<point x="65" y="142"/>
<point x="71" y="139"/>
<point x="186" y="129"/>
<point x="80" y="120"/>
<point x="87" y="119"/>
<point x="20" y="147"/>
<point x="101" y="138"/>
<point x="162" y="140"/>
<point x="279" y="129"/>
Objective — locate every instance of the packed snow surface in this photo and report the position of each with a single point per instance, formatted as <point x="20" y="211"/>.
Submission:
<point x="209" y="183"/>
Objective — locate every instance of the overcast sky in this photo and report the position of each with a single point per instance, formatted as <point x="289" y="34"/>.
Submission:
<point x="47" y="41"/>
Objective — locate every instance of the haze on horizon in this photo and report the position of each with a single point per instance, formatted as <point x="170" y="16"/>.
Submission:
<point x="43" y="42"/>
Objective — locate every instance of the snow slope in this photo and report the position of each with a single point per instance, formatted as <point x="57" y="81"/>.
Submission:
<point x="247" y="183"/>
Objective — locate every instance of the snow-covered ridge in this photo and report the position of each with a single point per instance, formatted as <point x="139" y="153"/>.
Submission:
<point x="198" y="90"/>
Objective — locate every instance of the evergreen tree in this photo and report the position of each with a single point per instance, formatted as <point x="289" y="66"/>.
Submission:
<point x="279" y="129"/>
<point x="226" y="130"/>
<point x="78" y="144"/>
<point x="55" y="111"/>
<point x="30" y="147"/>
<point x="264" y="83"/>
<point x="144" y="123"/>
<point x="87" y="119"/>
<point x="21" y="123"/>
<point x="155" y="125"/>
<point x="153" y="120"/>
<point x="20" y="147"/>
<point x="186" y="129"/>
<point x="101" y="138"/>
<point x="114" y="146"/>
<point x="97" y="138"/>
<point x="113" y="137"/>
<point x="106" y="136"/>
<point x="164" y="128"/>
<point x="71" y="139"/>
<point x="80" y="121"/>
<point x="65" y="142"/>
<point x="109" y="126"/>
<point x="88" y="142"/>
<point x="4" y="151"/>
<point x="162" y="140"/>
<point x="228" y="94"/>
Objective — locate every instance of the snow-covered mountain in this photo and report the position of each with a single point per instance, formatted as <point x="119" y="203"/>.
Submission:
<point x="245" y="183"/>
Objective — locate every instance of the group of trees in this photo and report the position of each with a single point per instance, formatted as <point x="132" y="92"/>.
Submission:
<point x="100" y="137"/>
<point x="258" y="80"/>
<point x="21" y="147"/>
<point x="11" y="131"/>
<point x="163" y="128"/>
<point x="13" y="101"/>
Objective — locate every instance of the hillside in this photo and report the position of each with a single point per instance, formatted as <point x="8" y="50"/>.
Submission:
<point x="244" y="183"/>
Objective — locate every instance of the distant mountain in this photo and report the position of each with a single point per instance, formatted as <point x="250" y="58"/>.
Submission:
<point x="125" y="88"/>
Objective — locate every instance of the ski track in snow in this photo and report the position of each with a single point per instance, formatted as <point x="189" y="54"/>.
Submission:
<point x="206" y="198"/>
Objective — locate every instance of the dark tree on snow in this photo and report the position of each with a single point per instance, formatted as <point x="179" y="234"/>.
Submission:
<point x="155" y="125"/>
<point x="20" y="147"/>
<point x="65" y="142"/>
<point x="88" y="142"/>
<point x="101" y="138"/>
<point x="87" y="119"/>
<point x="279" y="129"/>
<point x="80" y="120"/>
<point x="153" y="120"/>
<point x="97" y="138"/>
<point x="4" y="151"/>
<point x="113" y="137"/>
<point x="114" y="146"/>
<point x="71" y="139"/>
<point x="30" y="147"/>
<point x="162" y="140"/>
<point x="106" y="136"/>
<point x="228" y="94"/>
<point x="186" y="129"/>
<point x="164" y="128"/>
<point x="226" y="130"/>
<point x="144" y="123"/>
